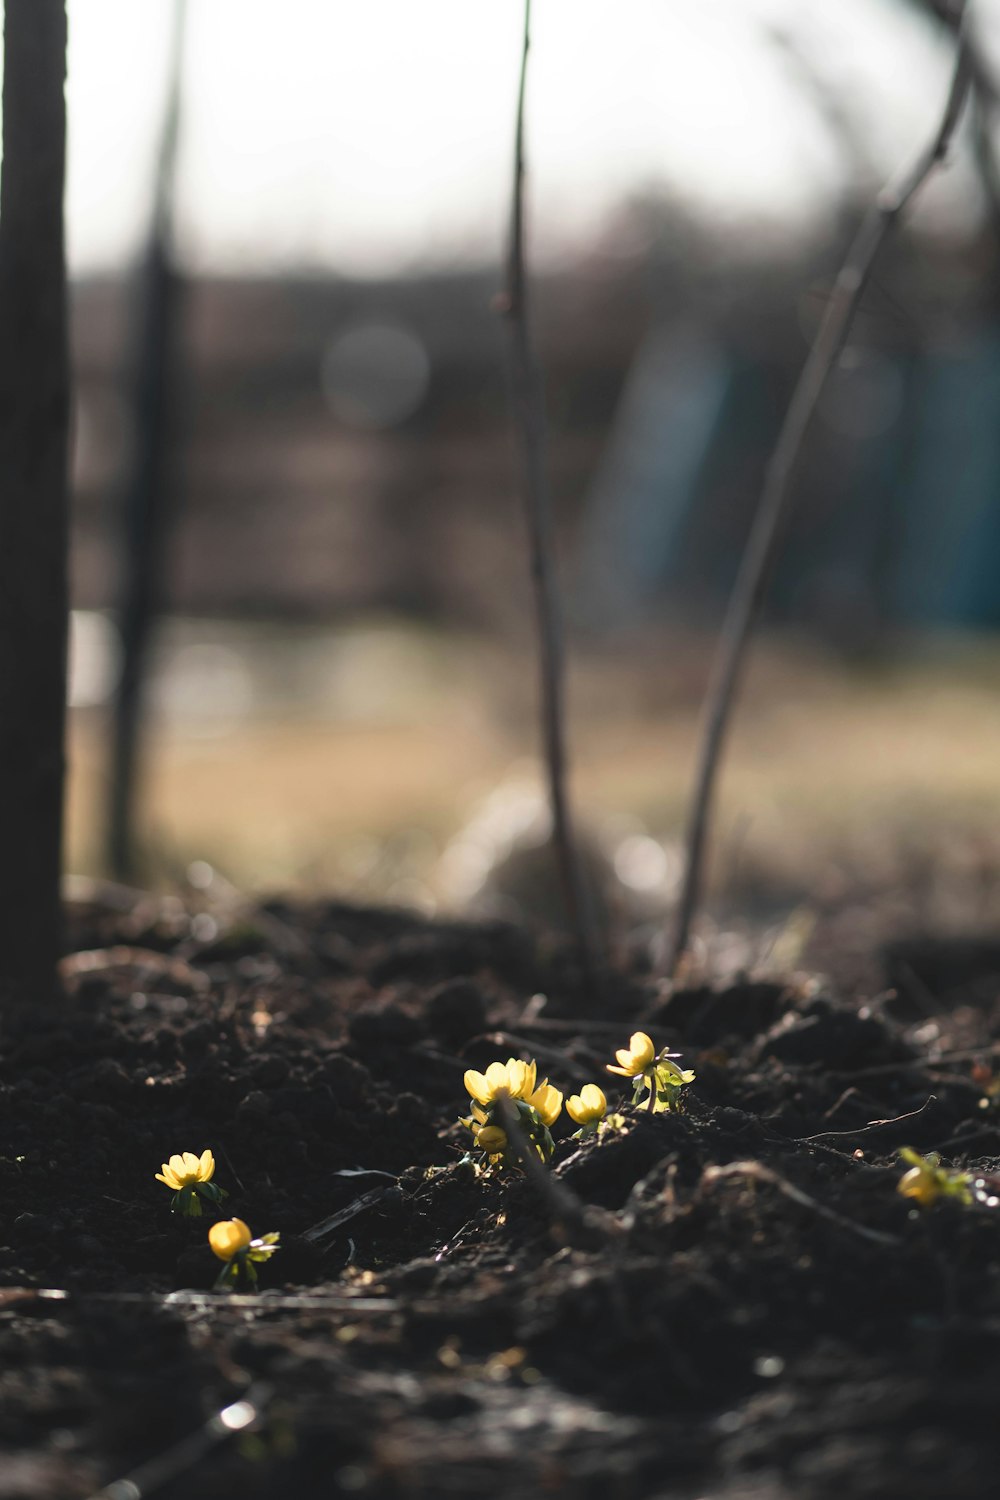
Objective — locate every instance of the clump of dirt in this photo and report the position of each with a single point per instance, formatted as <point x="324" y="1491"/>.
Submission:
<point x="739" y="1303"/>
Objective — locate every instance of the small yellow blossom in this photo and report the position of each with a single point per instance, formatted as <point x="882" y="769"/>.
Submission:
<point x="588" y="1106"/>
<point x="639" y="1058"/>
<point x="652" y="1073"/>
<point x="548" y="1102"/>
<point x="927" y="1180"/>
<point x="514" y="1084"/>
<point x="492" y="1139"/>
<point x="229" y="1237"/>
<point x="190" y="1178"/>
<point x="187" y="1169"/>
<point x="512" y="1080"/>
<point x="233" y="1243"/>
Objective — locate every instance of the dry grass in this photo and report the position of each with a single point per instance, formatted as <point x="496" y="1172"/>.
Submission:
<point x="827" y="766"/>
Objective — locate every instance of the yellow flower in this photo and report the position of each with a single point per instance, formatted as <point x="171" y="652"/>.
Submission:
<point x="190" y="1178"/>
<point x="588" y="1106"/>
<point x="492" y="1139"/>
<point x="547" y="1101"/>
<point x="921" y="1186"/>
<point x="233" y="1243"/>
<point x="927" y="1180"/>
<point x="637" y="1059"/>
<point x="187" y="1170"/>
<point x="228" y="1238"/>
<point x="512" y="1080"/>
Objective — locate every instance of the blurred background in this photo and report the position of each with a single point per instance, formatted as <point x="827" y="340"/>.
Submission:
<point x="302" y="646"/>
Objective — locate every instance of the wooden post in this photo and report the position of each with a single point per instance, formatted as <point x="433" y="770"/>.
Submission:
<point x="34" y="414"/>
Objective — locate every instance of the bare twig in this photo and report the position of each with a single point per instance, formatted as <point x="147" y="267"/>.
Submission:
<point x="755" y="1171"/>
<point x="832" y="1135"/>
<point x="198" y="1302"/>
<point x="358" y="1206"/>
<point x="572" y="1222"/>
<point x="528" y="400"/>
<point x="183" y="1457"/>
<point x="758" y="556"/>
<point x="148" y="497"/>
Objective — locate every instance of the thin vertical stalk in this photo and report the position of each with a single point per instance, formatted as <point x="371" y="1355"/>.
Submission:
<point x="148" y="498"/>
<point x="567" y="1215"/>
<point x="772" y="510"/>
<point x="528" y="399"/>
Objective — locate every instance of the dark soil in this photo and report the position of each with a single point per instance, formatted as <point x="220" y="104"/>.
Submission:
<point x="785" y="1326"/>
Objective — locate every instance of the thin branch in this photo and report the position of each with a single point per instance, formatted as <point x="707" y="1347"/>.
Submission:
<point x="984" y="149"/>
<point x="758" y="557"/>
<point x="528" y="400"/>
<point x="149" y="495"/>
<point x="755" y="1171"/>
<point x="183" y="1457"/>
<point x="187" y="1300"/>
<point x="358" y="1206"/>
<point x="572" y="1221"/>
<point x="873" y="1125"/>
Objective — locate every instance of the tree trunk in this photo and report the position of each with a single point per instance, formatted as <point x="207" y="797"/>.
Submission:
<point x="34" y="408"/>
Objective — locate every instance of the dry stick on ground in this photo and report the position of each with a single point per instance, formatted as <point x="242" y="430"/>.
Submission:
<point x="183" y="1457"/>
<point x="528" y="399"/>
<point x="573" y="1222"/>
<point x="873" y="1125"/>
<point x="758" y="556"/>
<point x="755" y="1171"/>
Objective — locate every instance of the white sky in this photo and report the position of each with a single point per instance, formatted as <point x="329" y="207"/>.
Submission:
<point x="367" y="135"/>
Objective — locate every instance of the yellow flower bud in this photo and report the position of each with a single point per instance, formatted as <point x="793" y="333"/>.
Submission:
<point x="228" y="1238"/>
<point x="588" y="1106"/>
<point x="492" y="1139"/>
<point x="637" y="1059"/>
<point x="920" y="1185"/>
<point x="927" y="1180"/>
<point x="547" y="1100"/>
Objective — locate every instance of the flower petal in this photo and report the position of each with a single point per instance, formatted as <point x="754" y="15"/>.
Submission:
<point x="228" y="1238"/>
<point x="477" y="1087"/>
<point x="167" y="1177"/>
<point x="191" y="1163"/>
<point x="517" y="1078"/>
<point x="625" y="1072"/>
<point x="496" y="1079"/>
<point x="547" y="1100"/>
<point x="177" y="1166"/>
<point x="642" y="1049"/>
<point x="588" y="1105"/>
<point x="206" y="1167"/>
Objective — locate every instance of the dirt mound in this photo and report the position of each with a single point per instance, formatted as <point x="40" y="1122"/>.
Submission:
<point x="745" y="1306"/>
